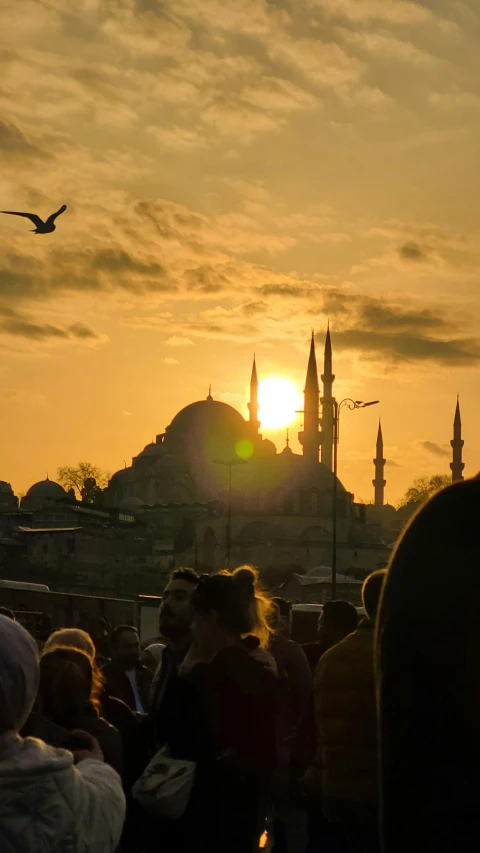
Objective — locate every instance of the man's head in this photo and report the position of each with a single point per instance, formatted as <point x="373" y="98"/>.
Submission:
<point x="371" y="592"/>
<point x="282" y="616"/>
<point x="176" y="613"/>
<point x="337" y="620"/>
<point x="126" y="646"/>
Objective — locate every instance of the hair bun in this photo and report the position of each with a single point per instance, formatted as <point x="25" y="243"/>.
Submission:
<point x="245" y="579"/>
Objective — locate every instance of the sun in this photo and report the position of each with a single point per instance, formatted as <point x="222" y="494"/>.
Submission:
<point x="279" y="401"/>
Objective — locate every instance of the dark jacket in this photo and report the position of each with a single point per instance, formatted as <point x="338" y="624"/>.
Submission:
<point x="294" y="672"/>
<point x="345" y="707"/>
<point x="117" y="684"/>
<point x="87" y="720"/>
<point x="161" y="703"/>
<point x="224" y="720"/>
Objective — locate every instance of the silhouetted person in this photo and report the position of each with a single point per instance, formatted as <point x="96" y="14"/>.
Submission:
<point x="125" y="677"/>
<point x="429" y="680"/>
<point x="41" y="227"/>
<point x="175" y="625"/>
<point x="346" y="717"/>
<point x="46" y="802"/>
<point x="295" y="684"/>
<point x="337" y="619"/>
<point x="66" y="698"/>
<point x="225" y="706"/>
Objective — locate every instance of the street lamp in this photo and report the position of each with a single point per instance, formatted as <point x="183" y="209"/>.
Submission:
<point x="229" y="463"/>
<point x="337" y="408"/>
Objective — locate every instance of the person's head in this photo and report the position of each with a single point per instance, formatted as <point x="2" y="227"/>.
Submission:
<point x="337" y="620"/>
<point x="19" y="674"/>
<point x="428" y="675"/>
<point x="73" y="637"/>
<point x="126" y="646"/>
<point x="371" y="592"/>
<point x="282" y="616"/>
<point x="176" y="614"/>
<point x="232" y="605"/>
<point x="5" y="611"/>
<point x="152" y="656"/>
<point x="66" y="685"/>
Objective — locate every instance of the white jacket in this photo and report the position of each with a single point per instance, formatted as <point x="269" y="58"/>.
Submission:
<point x="48" y="805"/>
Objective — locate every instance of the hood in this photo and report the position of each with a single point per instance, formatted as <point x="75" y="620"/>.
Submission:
<point x="32" y="759"/>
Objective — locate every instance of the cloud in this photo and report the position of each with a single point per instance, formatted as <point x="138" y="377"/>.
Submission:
<point x="412" y="251"/>
<point x="434" y="448"/>
<point x="378" y="314"/>
<point x="19" y="325"/>
<point x="176" y="341"/>
<point x="15" y="144"/>
<point x="168" y="360"/>
<point x="387" y="11"/>
<point x="409" y="348"/>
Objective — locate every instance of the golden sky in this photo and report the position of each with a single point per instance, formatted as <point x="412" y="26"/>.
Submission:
<point x="236" y="173"/>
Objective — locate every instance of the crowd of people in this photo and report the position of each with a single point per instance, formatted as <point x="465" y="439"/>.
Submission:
<point x="228" y="735"/>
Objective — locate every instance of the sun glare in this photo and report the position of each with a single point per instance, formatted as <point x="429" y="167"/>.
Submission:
<point x="278" y="400"/>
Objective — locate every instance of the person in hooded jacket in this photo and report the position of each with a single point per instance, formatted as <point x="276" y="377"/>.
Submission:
<point x="47" y="802"/>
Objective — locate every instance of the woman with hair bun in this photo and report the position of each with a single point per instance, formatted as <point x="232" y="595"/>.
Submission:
<point x="225" y="708"/>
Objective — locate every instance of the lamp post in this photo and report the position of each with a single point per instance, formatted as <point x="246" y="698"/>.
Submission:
<point x="229" y="463"/>
<point x="337" y="408"/>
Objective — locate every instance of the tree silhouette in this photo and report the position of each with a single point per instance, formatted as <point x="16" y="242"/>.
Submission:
<point x="76" y="477"/>
<point x="423" y="487"/>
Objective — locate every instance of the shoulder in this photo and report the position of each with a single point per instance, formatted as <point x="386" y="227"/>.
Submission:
<point x="355" y="645"/>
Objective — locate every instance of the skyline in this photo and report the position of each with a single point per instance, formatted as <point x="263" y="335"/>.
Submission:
<point x="235" y="173"/>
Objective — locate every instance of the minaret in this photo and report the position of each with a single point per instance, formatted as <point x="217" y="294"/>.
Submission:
<point x="253" y="404"/>
<point x="456" y="465"/>
<point x="379" y="483"/>
<point x="310" y="438"/>
<point x="328" y="414"/>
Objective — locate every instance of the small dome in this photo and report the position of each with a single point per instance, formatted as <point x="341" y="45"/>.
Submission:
<point x="47" y="489"/>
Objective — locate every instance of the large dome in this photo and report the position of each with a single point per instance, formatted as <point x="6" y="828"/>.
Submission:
<point x="207" y="428"/>
<point x="46" y="489"/>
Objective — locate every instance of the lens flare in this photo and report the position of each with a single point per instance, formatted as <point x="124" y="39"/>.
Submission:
<point x="279" y="400"/>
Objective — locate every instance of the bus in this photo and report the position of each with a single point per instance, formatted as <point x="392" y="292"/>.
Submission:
<point x="41" y="611"/>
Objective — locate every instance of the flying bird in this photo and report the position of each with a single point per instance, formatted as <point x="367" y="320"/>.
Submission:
<point x="41" y="227"/>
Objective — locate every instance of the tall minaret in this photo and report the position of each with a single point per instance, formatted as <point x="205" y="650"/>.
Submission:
<point x="310" y="438"/>
<point x="253" y="404"/>
<point x="328" y="414"/>
<point x="379" y="483"/>
<point x="456" y="465"/>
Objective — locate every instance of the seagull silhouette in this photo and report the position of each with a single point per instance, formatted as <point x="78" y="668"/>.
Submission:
<point x="42" y="227"/>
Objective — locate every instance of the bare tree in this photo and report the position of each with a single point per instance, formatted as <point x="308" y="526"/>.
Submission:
<point x="423" y="487"/>
<point x="76" y="476"/>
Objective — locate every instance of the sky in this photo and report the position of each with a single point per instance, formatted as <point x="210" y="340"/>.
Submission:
<point x="238" y="173"/>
